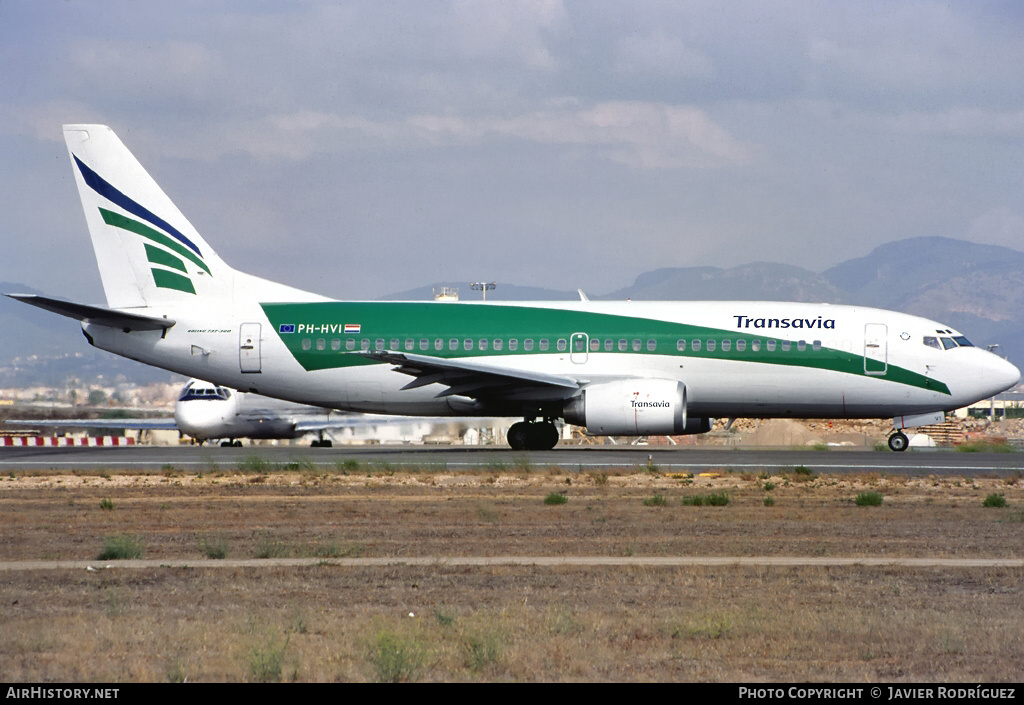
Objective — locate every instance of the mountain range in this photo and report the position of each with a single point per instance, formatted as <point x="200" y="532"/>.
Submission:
<point x="973" y="288"/>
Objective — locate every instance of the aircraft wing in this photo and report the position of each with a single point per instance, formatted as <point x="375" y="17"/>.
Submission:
<point x="476" y="379"/>
<point x="132" y="424"/>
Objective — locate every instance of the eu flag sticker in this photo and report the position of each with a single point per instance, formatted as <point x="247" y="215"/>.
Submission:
<point x="287" y="328"/>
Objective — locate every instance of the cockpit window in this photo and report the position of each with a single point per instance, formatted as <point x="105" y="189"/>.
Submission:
<point x="932" y="342"/>
<point x="963" y="342"/>
<point x="191" y="393"/>
<point x="947" y="343"/>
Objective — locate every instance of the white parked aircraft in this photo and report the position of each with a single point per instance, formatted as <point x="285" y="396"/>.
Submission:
<point x="207" y="411"/>
<point x="617" y="368"/>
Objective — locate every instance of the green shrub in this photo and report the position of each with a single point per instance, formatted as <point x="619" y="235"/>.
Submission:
<point x="769" y="501"/>
<point x="556" y="498"/>
<point x="994" y="500"/>
<point x="396" y="659"/>
<point x="121" y="547"/>
<point x="869" y="499"/>
<point x="216" y="547"/>
<point x="106" y="504"/>
<point x="655" y="501"/>
<point x="715" y="499"/>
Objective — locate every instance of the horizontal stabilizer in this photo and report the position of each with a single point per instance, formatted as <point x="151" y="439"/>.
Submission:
<point x="95" y="314"/>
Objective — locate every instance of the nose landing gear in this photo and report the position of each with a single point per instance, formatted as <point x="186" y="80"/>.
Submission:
<point x="898" y="441"/>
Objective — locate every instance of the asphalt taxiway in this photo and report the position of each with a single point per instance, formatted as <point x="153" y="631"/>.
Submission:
<point x="465" y="458"/>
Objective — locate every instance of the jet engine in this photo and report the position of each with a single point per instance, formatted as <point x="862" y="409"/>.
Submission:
<point x="634" y="407"/>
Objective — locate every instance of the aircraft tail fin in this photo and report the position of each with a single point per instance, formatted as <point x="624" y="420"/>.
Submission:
<point x="147" y="251"/>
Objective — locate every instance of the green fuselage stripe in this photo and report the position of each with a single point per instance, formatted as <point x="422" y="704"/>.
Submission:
<point x="400" y="321"/>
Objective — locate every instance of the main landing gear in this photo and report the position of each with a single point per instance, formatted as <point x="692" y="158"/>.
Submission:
<point x="898" y="441"/>
<point x="533" y="435"/>
<point x="231" y="444"/>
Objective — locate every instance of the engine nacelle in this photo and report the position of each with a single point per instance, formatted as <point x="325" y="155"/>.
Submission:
<point x="634" y="407"/>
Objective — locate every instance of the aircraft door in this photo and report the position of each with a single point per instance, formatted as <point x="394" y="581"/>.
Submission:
<point x="249" y="358"/>
<point x="578" y="344"/>
<point x="876" y="352"/>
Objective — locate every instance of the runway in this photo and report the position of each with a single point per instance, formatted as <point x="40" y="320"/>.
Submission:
<point x="567" y="458"/>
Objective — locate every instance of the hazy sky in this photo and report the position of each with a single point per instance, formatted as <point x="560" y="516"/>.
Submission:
<point x="361" y="148"/>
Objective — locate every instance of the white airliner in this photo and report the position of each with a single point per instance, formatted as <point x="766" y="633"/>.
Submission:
<point x="207" y="411"/>
<point x="617" y="368"/>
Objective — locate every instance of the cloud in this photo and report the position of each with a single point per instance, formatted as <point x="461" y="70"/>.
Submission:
<point x="639" y="135"/>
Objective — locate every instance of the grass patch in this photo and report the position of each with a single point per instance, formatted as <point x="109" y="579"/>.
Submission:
<point x="656" y="501"/>
<point x="994" y="500"/>
<point x="106" y="504"/>
<point x="121" y="547"/>
<point x="395" y="658"/>
<point x="269" y="547"/>
<point x="715" y="499"/>
<point x="266" y="660"/>
<point x="769" y="501"/>
<point x="255" y="465"/>
<point x="556" y="498"/>
<point x="869" y="499"/>
<point x="483" y="650"/>
<point x="215" y="547"/>
<point x="982" y="445"/>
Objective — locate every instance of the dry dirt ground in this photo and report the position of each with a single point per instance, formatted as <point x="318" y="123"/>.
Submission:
<point x="326" y="622"/>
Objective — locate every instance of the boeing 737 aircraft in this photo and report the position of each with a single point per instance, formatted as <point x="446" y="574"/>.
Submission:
<point x="206" y="411"/>
<point x="617" y="368"/>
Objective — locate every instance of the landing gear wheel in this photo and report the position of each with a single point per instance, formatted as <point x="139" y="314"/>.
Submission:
<point x="325" y="443"/>
<point x="898" y="442"/>
<point x="529" y="435"/>
<point x="518" y="436"/>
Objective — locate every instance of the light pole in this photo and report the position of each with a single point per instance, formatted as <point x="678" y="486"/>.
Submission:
<point x="482" y="286"/>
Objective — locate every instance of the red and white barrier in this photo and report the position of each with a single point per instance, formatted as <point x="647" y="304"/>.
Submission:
<point x="54" y="441"/>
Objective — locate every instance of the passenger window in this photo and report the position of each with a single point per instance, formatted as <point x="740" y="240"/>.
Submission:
<point x="467" y="344"/>
<point x="498" y="344"/>
<point x="711" y="345"/>
<point x="453" y="344"/>
<point x="321" y="344"/>
<point x="424" y="344"/>
<point x="528" y="344"/>
<point x="695" y="345"/>
<point x="394" y="344"/>
<point x="932" y="342"/>
<point x="438" y="344"/>
<point x="741" y="345"/>
<point x="543" y="344"/>
<point x="513" y="344"/>
<point x="786" y="345"/>
<point x="336" y="344"/>
<point x="816" y="345"/>
<point x="636" y="345"/>
<point x="770" y="344"/>
<point x="595" y="345"/>
<point x="609" y="345"/>
<point x="801" y="345"/>
<point x="755" y="345"/>
<point x="482" y="344"/>
<point x="307" y="343"/>
<point x="364" y="344"/>
<point x="561" y="345"/>
<point x="726" y="345"/>
<point x="623" y="345"/>
<point x="652" y="345"/>
<point x="350" y="344"/>
<point x="681" y="345"/>
<point x="380" y="343"/>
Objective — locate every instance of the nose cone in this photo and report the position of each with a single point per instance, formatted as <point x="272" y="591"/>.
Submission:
<point x="1000" y="375"/>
